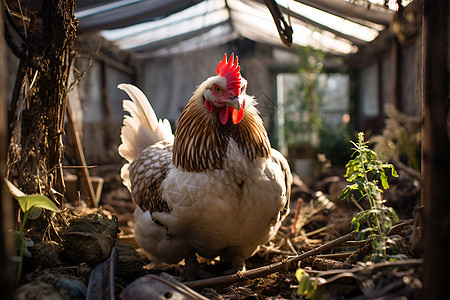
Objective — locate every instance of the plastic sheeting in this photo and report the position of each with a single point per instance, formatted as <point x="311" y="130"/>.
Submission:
<point x="163" y="27"/>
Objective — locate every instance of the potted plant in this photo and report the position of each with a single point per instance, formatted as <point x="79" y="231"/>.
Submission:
<point x="302" y="113"/>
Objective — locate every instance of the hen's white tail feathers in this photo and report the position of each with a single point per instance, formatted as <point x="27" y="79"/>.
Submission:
<point x="142" y="128"/>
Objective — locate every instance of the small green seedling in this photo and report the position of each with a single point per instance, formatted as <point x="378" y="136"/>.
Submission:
<point x="379" y="217"/>
<point x="31" y="206"/>
<point x="308" y="286"/>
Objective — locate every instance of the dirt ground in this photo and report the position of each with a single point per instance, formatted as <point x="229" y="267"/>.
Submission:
<point x="76" y="261"/>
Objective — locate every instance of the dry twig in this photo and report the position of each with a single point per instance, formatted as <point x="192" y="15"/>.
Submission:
<point x="373" y="267"/>
<point x="269" y="269"/>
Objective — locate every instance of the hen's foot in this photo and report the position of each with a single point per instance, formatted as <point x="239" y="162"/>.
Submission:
<point x="193" y="270"/>
<point x="238" y="267"/>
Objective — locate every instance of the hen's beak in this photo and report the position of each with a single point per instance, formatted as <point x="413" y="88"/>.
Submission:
<point x="233" y="102"/>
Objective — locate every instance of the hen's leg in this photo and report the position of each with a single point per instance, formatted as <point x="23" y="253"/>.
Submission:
<point x="238" y="265"/>
<point x="193" y="269"/>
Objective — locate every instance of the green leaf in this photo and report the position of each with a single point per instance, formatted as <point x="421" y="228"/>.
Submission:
<point x="360" y="186"/>
<point x="393" y="214"/>
<point x="384" y="181"/>
<point x="27" y="202"/>
<point x="34" y="213"/>
<point x="299" y="274"/>
<point x="13" y="189"/>
<point x="354" y="225"/>
<point x="361" y="216"/>
<point x="306" y="286"/>
<point x="345" y="193"/>
<point x="303" y="282"/>
<point x="394" y="172"/>
<point x="348" y="190"/>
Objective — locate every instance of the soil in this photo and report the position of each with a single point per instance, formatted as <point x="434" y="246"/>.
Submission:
<point x="62" y="266"/>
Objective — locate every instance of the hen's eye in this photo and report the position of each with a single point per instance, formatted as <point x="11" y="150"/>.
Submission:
<point x="217" y="89"/>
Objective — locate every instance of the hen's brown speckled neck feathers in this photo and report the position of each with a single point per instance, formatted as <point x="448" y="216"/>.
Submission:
<point x="201" y="141"/>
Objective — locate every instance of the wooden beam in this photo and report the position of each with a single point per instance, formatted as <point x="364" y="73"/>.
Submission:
<point x="88" y="189"/>
<point x="348" y="9"/>
<point x="352" y="39"/>
<point x="435" y="150"/>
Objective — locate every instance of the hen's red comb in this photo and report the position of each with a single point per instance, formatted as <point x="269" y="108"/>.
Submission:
<point x="230" y="70"/>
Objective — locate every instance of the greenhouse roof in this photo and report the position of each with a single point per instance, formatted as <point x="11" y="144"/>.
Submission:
<point x="163" y="27"/>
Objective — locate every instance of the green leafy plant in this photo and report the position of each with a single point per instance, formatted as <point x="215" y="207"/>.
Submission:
<point x="379" y="217"/>
<point x="302" y="109"/>
<point x="31" y="206"/>
<point x="308" y="286"/>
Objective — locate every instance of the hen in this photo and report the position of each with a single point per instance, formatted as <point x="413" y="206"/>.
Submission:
<point x="216" y="188"/>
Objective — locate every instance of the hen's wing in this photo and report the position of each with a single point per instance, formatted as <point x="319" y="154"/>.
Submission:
<point x="147" y="172"/>
<point x="280" y="160"/>
<point x="147" y="175"/>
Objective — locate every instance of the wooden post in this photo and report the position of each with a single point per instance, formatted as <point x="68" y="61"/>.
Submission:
<point x="6" y="244"/>
<point x="396" y="87"/>
<point x="380" y="117"/>
<point x="46" y="54"/>
<point x="435" y="150"/>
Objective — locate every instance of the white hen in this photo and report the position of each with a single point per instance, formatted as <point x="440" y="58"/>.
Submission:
<point x="216" y="188"/>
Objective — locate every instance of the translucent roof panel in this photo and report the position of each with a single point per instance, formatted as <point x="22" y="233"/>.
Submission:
<point x="331" y="21"/>
<point x="202" y="15"/>
<point x="254" y="21"/>
<point x="216" y="36"/>
<point x="335" y="26"/>
<point x="98" y="15"/>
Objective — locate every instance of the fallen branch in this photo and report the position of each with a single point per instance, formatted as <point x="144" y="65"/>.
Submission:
<point x="397" y="228"/>
<point x="269" y="269"/>
<point x="336" y="256"/>
<point x="324" y="264"/>
<point x="371" y="267"/>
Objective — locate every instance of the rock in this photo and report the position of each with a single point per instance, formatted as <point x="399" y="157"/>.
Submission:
<point x="43" y="254"/>
<point x="37" y="290"/>
<point x="89" y="239"/>
<point x="51" y="287"/>
<point x="71" y="289"/>
<point x="130" y="264"/>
